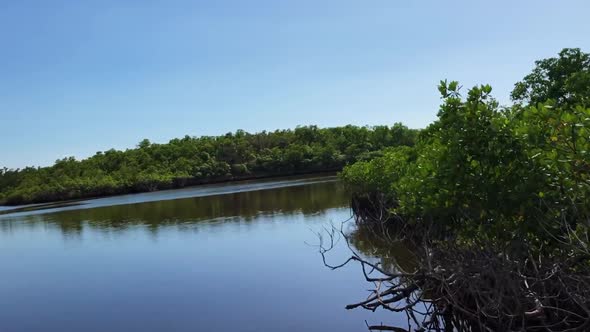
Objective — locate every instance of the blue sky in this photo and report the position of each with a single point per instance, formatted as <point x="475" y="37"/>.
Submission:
<point x="78" y="77"/>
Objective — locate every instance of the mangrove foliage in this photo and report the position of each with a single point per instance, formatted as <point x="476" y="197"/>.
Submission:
<point x="197" y="160"/>
<point x="493" y="201"/>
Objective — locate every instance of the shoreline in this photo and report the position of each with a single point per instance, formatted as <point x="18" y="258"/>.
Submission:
<point x="176" y="184"/>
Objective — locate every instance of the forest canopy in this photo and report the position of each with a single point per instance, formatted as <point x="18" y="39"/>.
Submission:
<point x="196" y="160"/>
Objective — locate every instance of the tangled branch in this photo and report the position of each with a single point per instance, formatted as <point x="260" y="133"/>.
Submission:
<point x="452" y="287"/>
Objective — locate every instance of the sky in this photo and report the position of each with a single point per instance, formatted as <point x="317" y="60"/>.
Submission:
<point x="77" y="77"/>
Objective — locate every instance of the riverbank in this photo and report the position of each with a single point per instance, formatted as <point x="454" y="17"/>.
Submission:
<point x="189" y="183"/>
<point x="200" y="160"/>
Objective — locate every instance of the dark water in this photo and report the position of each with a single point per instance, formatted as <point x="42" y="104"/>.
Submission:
<point x="218" y="258"/>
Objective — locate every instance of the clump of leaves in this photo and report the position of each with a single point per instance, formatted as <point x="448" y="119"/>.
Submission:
<point x="510" y="175"/>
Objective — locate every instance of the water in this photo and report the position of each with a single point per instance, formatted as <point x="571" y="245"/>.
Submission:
<point x="235" y="257"/>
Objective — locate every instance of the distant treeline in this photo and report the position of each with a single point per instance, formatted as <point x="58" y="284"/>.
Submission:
<point x="197" y="160"/>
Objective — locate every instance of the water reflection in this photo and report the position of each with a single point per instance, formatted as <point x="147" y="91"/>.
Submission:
<point x="394" y="255"/>
<point x="240" y="206"/>
<point x="232" y="262"/>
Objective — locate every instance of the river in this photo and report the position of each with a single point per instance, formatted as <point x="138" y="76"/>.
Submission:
<point x="229" y="257"/>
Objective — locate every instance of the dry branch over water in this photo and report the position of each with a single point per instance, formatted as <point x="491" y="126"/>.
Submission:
<point x="465" y="288"/>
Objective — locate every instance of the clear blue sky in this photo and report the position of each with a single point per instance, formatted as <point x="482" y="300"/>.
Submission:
<point x="78" y="77"/>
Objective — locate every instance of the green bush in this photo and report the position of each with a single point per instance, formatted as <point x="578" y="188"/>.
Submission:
<point x="513" y="174"/>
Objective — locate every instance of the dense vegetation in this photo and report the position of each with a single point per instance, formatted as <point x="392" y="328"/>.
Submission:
<point x="194" y="160"/>
<point x="500" y="200"/>
<point x="487" y="169"/>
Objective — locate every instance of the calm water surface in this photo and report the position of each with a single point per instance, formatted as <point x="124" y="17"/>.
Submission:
<point x="234" y="257"/>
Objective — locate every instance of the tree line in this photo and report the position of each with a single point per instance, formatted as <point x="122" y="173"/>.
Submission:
<point x="196" y="160"/>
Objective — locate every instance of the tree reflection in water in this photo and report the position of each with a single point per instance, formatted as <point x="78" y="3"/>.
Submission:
<point x="239" y="206"/>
